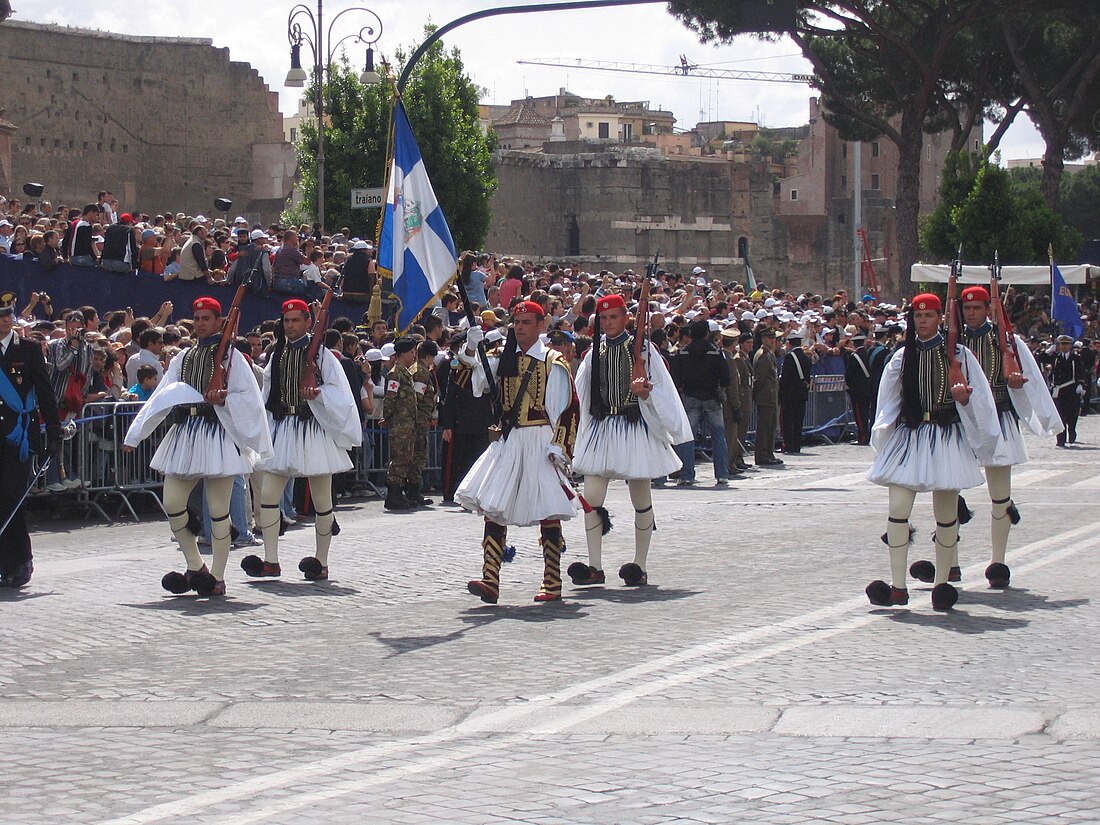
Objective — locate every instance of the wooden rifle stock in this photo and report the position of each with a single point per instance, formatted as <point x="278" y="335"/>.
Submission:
<point x="641" y="323"/>
<point x="954" y="368"/>
<point x="220" y="378"/>
<point x="308" y="383"/>
<point x="1006" y="341"/>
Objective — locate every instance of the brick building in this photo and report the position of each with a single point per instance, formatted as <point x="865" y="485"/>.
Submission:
<point x="164" y="123"/>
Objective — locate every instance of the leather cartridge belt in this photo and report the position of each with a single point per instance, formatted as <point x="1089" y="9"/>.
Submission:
<point x="301" y="411"/>
<point x="941" y="417"/>
<point x="184" y="412"/>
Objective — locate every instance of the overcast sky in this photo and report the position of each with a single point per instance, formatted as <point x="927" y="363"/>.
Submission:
<point x="255" y="32"/>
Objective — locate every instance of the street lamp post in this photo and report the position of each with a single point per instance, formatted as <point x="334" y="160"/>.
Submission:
<point x="315" y="36"/>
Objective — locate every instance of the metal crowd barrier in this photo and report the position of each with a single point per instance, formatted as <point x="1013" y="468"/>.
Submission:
<point x="373" y="459"/>
<point x="107" y="471"/>
<point x="828" y="415"/>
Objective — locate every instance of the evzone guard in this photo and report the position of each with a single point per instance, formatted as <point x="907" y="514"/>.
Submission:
<point x="517" y="481"/>
<point x="936" y="424"/>
<point x="630" y="418"/>
<point x="211" y="394"/>
<point x="1020" y="395"/>
<point x="314" y="422"/>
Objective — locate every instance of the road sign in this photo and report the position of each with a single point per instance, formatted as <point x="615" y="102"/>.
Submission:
<point x="368" y="198"/>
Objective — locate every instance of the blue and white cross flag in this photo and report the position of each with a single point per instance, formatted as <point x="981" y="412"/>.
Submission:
<point x="415" y="243"/>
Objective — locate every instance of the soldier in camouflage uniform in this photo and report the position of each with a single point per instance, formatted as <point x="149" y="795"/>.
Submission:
<point x="427" y="396"/>
<point x="399" y="417"/>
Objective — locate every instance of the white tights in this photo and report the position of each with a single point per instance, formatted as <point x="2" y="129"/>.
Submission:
<point x="271" y="493"/>
<point x="641" y="497"/>
<point x="945" y="507"/>
<point x="218" y="492"/>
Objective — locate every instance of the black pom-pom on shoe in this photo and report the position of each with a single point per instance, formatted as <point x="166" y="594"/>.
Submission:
<point x="577" y="572"/>
<point x="312" y="569"/>
<point x="633" y="575"/>
<point x="998" y="575"/>
<point x="252" y="565"/>
<point x="944" y="596"/>
<point x="880" y="594"/>
<point x="923" y="570"/>
<point x="175" y="583"/>
<point x="204" y="583"/>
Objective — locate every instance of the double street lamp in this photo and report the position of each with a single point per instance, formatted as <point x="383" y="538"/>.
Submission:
<point x="315" y="36"/>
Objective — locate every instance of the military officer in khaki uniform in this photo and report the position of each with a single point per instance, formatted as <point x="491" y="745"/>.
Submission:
<point x="765" y="392"/>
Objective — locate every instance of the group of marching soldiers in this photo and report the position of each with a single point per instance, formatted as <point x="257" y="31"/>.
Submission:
<point x="947" y="407"/>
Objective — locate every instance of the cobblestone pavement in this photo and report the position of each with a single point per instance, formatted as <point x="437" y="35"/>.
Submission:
<point x="751" y="682"/>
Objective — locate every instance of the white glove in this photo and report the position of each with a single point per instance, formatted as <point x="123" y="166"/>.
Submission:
<point x="474" y="337"/>
<point x="556" y="456"/>
<point x="1080" y="390"/>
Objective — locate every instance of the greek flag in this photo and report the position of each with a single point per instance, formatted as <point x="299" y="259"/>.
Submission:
<point x="1063" y="308"/>
<point x="415" y="243"/>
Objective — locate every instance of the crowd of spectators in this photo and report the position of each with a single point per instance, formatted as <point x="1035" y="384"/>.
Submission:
<point x="130" y="353"/>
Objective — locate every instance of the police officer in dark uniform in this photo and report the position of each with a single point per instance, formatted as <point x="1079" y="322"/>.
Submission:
<point x="464" y="419"/>
<point x="25" y="394"/>
<point x="860" y="386"/>
<point x="794" y="392"/>
<point x="1068" y="382"/>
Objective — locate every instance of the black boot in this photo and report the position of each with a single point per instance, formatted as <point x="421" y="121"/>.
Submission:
<point x="413" y="496"/>
<point x="395" y="500"/>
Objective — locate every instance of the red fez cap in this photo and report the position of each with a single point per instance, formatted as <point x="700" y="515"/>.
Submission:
<point x="207" y="303"/>
<point x="975" y="293"/>
<point x="610" y="302"/>
<point x="293" y="304"/>
<point x="926" y="300"/>
<point x="529" y="306"/>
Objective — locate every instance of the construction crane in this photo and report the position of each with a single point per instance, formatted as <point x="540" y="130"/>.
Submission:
<point x="685" y="69"/>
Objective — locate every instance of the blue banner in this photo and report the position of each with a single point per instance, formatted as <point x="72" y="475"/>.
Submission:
<point x="1063" y="308"/>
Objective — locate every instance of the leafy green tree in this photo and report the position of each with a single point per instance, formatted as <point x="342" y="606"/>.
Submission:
<point x="879" y="66"/>
<point x="1058" y="69"/>
<point x="988" y="210"/>
<point x="1079" y="201"/>
<point x="442" y="105"/>
<point x="356" y="128"/>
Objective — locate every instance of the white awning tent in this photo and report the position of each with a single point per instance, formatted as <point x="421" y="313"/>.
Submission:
<point x="939" y="273"/>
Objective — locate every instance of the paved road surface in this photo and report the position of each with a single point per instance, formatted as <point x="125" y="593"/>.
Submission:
<point x="751" y="682"/>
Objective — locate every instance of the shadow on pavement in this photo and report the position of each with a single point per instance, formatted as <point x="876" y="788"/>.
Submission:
<point x="190" y="605"/>
<point x="958" y="621"/>
<point x="14" y="594"/>
<point x="1019" y="600"/>
<point x="631" y="595"/>
<point x="476" y="617"/>
<point x="277" y="587"/>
